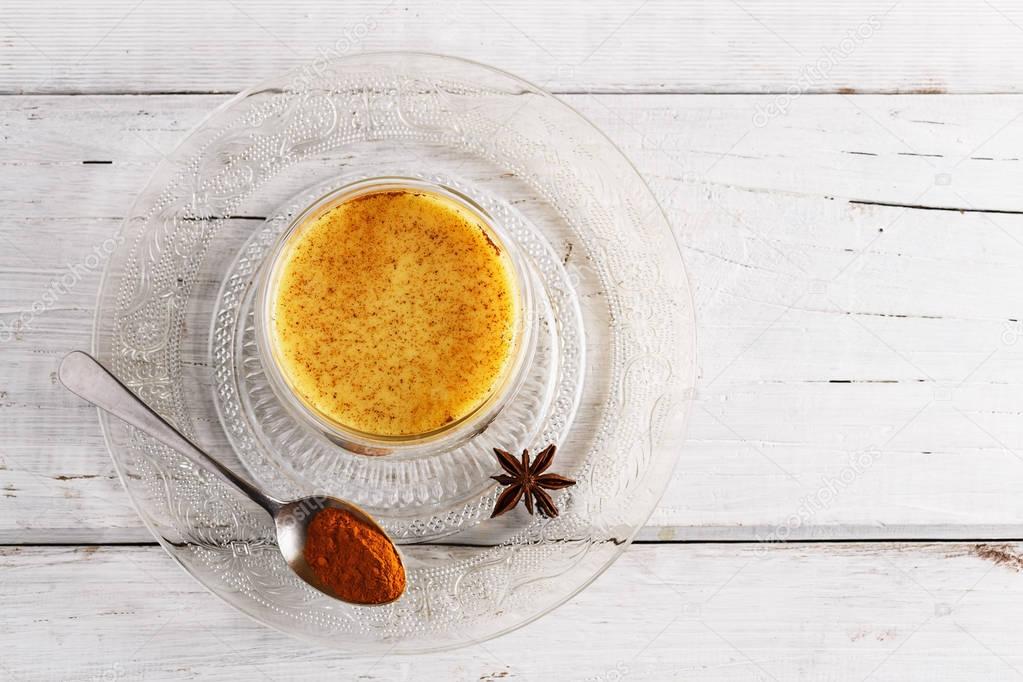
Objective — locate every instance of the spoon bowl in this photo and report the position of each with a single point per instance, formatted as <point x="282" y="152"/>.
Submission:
<point x="84" y="376"/>
<point x="292" y="520"/>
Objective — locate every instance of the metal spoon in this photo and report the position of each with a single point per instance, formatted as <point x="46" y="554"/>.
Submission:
<point x="85" y="377"/>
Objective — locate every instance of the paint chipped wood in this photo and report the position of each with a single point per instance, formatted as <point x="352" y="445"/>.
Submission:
<point x="729" y="612"/>
<point x="829" y="324"/>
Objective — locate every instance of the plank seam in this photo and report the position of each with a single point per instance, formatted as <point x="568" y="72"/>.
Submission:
<point x="830" y="541"/>
<point x="923" y="207"/>
<point x="924" y="92"/>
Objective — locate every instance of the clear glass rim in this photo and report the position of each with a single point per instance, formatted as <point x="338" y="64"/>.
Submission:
<point x="360" y="442"/>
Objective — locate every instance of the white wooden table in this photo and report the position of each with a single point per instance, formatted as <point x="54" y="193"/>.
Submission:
<point x="846" y="183"/>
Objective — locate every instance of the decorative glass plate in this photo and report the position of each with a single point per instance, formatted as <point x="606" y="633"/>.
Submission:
<point x="610" y="380"/>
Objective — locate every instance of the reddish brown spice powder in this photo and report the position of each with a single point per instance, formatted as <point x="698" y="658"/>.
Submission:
<point x="356" y="561"/>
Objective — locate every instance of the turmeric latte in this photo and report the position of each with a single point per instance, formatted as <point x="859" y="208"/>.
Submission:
<point x="395" y="312"/>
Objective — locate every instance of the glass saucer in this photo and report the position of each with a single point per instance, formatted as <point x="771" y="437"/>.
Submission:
<point x="610" y="380"/>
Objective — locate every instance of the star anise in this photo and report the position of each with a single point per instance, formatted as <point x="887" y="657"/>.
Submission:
<point x="528" y="481"/>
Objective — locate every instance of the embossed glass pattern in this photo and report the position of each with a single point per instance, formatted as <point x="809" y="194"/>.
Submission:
<point x="609" y="381"/>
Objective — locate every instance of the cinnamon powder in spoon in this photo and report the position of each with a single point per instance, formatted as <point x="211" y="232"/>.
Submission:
<point x="353" y="559"/>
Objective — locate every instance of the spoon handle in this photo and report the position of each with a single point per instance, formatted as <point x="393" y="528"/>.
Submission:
<point x="85" y="377"/>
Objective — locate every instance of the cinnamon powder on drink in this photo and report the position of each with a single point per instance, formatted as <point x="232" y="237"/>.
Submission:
<point x="354" y="560"/>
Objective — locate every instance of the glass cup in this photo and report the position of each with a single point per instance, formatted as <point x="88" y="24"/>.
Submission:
<point x="448" y="436"/>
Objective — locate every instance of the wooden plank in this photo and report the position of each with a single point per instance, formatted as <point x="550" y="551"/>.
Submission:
<point x="632" y="46"/>
<point x="714" y="612"/>
<point x="822" y="337"/>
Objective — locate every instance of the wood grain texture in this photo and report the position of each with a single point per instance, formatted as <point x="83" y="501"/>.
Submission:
<point x="855" y="265"/>
<point x="622" y="46"/>
<point x="663" y="612"/>
<point x="833" y="330"/>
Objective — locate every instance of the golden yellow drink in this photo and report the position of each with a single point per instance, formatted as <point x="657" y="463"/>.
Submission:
<point x="395" y="312"/>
